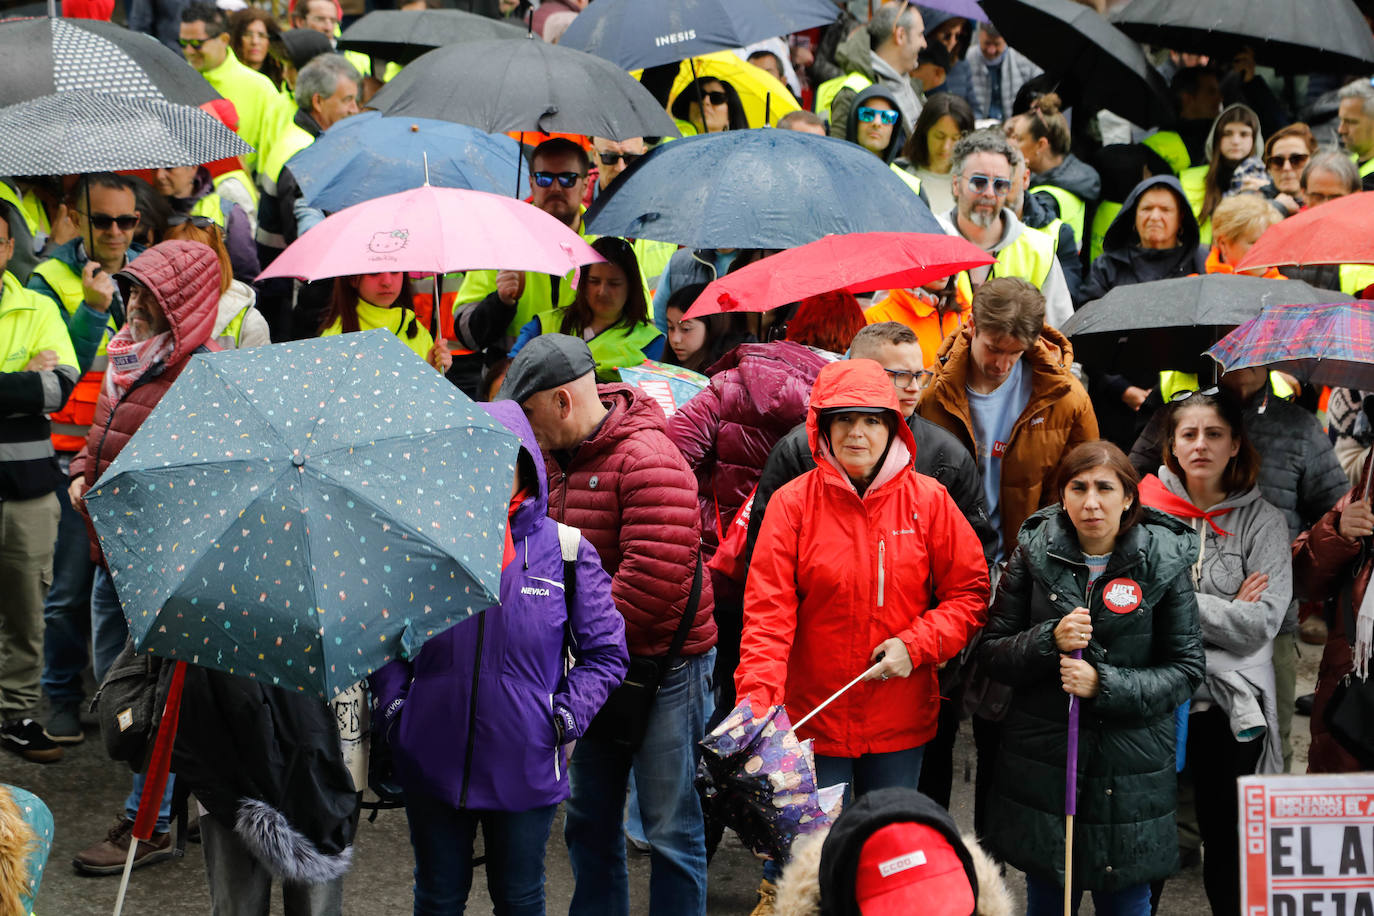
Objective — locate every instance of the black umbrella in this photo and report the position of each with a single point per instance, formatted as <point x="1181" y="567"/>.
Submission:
<point x="762" y="188"/>
<point x="70" y="133"/>
<point x="1314" y="35"/>
<point x="646" y="33"/>
<point x="41" y="56"/>
<point x="502" y="86"/>
<point x="1168" y="324"/>
<point x="402" y="36"/>
<point x="1096" y="65"/>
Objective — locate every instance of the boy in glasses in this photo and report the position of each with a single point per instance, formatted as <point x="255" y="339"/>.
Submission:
<point x="983" y="166"/>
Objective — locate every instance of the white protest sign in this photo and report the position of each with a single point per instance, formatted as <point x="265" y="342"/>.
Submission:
<point x="1307" y="845"/>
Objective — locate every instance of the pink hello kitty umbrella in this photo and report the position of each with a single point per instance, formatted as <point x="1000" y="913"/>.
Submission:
<point x="434" y="230"/>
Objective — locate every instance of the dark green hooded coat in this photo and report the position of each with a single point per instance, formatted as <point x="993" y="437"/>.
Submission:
<point x="1149" y="660"/>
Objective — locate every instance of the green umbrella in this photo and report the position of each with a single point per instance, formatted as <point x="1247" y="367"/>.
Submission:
<point x="304" y="513"/>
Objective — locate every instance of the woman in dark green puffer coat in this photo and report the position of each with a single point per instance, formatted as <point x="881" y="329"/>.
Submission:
<point x="1105" y="575"/>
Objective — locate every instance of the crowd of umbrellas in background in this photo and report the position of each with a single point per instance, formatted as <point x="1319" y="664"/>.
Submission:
<point x="430" y="183"/>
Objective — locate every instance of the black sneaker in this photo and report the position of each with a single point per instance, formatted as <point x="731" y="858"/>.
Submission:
<point x="64" y="724"/>
<point x="25" y="737"/>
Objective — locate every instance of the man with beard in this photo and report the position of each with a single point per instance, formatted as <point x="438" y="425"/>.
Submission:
<point x="982" y="169"/>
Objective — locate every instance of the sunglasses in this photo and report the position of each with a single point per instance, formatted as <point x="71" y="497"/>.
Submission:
<point x="195" y="43"/>
<point x="1293" y="160"/>
<point x="979" y="183"/>
<point x="565" y="179"/>
<point x="103" y="221"/>
<point x="1184" y="394"/>
<point x="611" y="160"/>
<point x="905" y="378"/>
<point x="715" y="96"/>
<point x="869" y="115"/>
<point x="200" y="222"/>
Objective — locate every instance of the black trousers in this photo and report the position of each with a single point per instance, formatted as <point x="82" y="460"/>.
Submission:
<point x="1216" y="759"/>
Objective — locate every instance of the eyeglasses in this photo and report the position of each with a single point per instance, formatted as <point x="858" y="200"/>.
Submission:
<point x="200" y="222"/>
<point x="905" y="378"/>
<point x="869" y="115"/>
<point x="1292" y="160"/>
<point x="195" y="43"/>
<point x="565" y="179"/>
<point x="611" y="160"/>
<point x="104" y="221"/>
<point x="1185" y="393"/>
<point x="978" y="184"/>
<point x="316" y="19"/>
<point x="715" y="96"/>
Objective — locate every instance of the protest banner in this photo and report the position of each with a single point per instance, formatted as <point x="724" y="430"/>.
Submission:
<point x="1307" y="845"/>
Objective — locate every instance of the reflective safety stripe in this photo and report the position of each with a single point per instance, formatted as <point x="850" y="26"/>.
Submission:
<point x="70" y="429"/>
<point x="25" y="451"/>
<point x="100" y="363"/>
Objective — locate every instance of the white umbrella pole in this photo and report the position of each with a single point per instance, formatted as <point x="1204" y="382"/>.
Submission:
<point x="1068" y="865"/>
<point x="124" y="878"/>
<point x="835" y="696"/>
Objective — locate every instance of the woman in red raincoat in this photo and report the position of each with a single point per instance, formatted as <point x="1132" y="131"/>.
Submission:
<point x="858" y="560"/>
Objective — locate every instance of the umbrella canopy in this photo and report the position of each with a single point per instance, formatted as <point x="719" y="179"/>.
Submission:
<point x="433" y="231"/>
<point x="670" y="386"/>
<point x="41" y="56"/>
<point x="1325" y="344"/>
<point x="306" y="512"/>
<point x="75" y="132"/>
<point x="402" y="36"/>
<point x="501" y="86"/>
<point x="765" y="100"/>
<point x="861" y="263"/>
<point x="964" y="9"/>
<point x="1167" y="324"/>
<point x="1328" y="36"/>
<point x="1337" y="232"/>
<point x="1097" y="66"/>
<point x="758" y="779"/>
<point x="757" y="189"/>
<point x="645" y="33"/>
<point x="368" y="156"/>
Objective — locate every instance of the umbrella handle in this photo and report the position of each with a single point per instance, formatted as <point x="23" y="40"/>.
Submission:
<point x="835" y="696"/>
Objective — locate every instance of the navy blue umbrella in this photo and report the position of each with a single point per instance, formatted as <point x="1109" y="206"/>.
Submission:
<point x="646" y="33"/>
<point x="369" y="156"/>
<point x="762" y="188"/>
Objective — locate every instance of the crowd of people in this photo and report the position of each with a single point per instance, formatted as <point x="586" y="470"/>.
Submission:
<point x="926" y="489"/>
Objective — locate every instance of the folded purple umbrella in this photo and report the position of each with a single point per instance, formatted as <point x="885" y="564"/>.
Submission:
<point x="967" y="9"/>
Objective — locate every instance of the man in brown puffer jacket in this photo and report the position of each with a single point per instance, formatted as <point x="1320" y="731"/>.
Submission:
<point x="615" y="474"/>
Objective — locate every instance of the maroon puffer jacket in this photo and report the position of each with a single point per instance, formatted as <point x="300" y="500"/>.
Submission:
<point x="758" y="393"/>
<point x="184" y="278"/>
<point x="635" y="499"/>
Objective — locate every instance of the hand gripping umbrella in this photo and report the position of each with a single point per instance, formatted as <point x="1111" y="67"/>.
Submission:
<point x="757" y="189"/>
<point x="1337" y="232"/>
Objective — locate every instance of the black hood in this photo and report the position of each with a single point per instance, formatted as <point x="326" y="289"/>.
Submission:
<point x="1122" y="235"/>
<point x="869" y="814"/>
<point x="851" y="127"/>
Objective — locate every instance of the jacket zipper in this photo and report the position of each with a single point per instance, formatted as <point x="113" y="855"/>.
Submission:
<point x="472" y="711"/>
<point x="557" y="773"/>
<point x="882" y="551"/>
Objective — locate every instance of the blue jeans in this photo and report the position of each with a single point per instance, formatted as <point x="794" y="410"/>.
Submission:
<point x="894" y="769"/>
<point x="66" y="612"/>
<point x="664" y="768"/>
<point x="514" y="842"/>
<point x="109" y="630"/>
<point x="1045" y="898"/>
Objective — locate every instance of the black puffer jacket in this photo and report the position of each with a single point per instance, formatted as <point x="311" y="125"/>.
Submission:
<point x="938" y="455"/>
<point x="1149" y="659"/>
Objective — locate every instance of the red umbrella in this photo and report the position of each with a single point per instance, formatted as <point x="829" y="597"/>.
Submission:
<point x="1333" y="233"/>
<point x="859" y="262"/>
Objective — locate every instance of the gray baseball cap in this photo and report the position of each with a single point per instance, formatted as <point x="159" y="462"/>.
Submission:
<point x="546" y="362"/>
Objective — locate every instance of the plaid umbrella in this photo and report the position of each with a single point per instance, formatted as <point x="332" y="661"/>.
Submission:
<point x="42" y="56"/>
<point x="1324" y="344"/>
<point x="71" y="133"/>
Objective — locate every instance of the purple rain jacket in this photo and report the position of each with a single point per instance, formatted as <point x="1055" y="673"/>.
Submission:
<point x="480" y="717"/>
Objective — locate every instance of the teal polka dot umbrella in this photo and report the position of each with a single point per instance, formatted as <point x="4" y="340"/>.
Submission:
<point x="305" y="512"/>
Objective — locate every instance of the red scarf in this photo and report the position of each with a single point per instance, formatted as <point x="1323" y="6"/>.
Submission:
<point x="1156" y="495"/>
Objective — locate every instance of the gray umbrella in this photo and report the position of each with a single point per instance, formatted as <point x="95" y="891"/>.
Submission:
<point x="501" y="86"/>
<point x="402" y="36"/>
<point x="42" y="56"/>
<point x="70" y="133"/>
